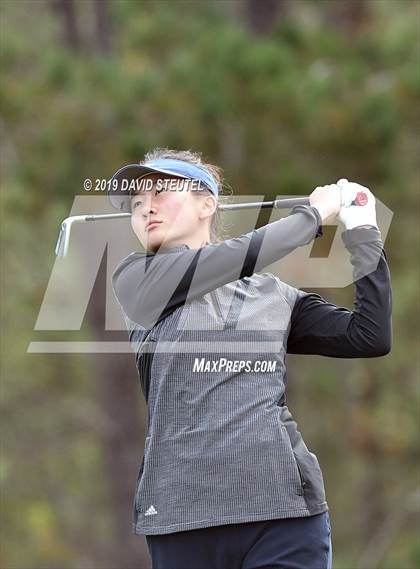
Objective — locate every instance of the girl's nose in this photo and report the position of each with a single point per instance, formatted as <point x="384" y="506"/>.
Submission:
<point x="148" y="203"/>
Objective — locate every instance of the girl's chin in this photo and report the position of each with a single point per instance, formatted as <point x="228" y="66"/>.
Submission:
<point x="154" y="241"/>
<point x="152" y="244"/>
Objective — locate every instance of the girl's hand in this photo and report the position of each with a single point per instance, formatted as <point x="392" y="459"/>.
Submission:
<point x="327" y="200"/>
<point x="356" y="215"/>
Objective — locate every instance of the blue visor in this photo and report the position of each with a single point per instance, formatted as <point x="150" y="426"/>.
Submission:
<point x="119" y="194"/>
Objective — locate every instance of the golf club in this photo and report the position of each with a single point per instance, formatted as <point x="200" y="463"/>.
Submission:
<point x="63" y="240"/>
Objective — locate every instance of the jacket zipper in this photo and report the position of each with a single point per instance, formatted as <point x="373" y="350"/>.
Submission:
<point x="146" y="364"/>
<point x="217" y="306"/>
<point x="139" y="478"/>
<point x="145" y="381"/>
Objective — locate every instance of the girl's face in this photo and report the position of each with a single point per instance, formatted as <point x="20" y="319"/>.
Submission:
<point x="177" y="215"/>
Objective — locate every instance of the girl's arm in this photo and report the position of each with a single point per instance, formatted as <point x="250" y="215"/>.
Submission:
<point x="150" y="286"/>
<point x="319" y="327"/>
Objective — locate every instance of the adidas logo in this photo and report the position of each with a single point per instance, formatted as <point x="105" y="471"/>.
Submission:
<point x="150" y="511"/>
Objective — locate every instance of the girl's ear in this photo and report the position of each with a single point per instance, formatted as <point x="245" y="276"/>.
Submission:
<point x="208" y="206"/>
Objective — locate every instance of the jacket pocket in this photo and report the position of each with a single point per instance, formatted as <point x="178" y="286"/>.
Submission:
<point x="312" y="479"/>
<point x="299" y="474"/>
<point x="307" y="462"/>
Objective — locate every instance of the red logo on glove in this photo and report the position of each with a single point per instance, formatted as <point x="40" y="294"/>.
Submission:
<point x="361" y="198"/>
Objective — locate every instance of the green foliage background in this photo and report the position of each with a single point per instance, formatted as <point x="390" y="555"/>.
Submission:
<point x="298" y="107"/>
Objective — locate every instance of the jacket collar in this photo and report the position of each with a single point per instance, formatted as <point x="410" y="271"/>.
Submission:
<point x="169" y="249"/>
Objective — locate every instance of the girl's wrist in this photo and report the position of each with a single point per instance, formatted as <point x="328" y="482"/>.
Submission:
<point x="324" y="215"/>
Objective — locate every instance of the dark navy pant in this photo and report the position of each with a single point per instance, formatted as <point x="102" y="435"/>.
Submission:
<point x="292" y="543"/>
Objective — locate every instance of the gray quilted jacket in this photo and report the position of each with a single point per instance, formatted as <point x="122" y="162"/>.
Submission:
<point x="210" y="334"/>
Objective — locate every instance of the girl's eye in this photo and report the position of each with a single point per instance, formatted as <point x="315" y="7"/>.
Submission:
<point x="138" y="202"/>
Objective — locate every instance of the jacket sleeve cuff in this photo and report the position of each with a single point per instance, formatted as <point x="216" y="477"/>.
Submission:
<point x="319" y="222"/>
<point x="359" y="235"/>
<point x="313" y="212"/>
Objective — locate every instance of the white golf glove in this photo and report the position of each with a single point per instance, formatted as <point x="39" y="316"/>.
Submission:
<point x="355" y="215"/>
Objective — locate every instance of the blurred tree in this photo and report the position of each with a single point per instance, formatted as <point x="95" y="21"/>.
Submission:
<point x="349" y="15"/>
<point x="102" y="26"/>
<point x="66" y="10"/>
<point x="262" y="15"/>
<point x="118" y="396"/>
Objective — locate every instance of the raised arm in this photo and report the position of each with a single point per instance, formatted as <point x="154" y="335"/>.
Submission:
<point x="150" y="286"/>
<point x="319" y="327"/>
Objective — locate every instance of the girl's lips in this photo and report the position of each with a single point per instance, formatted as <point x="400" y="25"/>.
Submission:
<point x="153" y="224"/>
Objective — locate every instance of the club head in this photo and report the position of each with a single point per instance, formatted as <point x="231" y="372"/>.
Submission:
<point x="63" y="240"/>
<point x="62" y="244"/>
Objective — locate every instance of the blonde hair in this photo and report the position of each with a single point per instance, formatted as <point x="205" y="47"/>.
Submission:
<point x="218" y="231"/>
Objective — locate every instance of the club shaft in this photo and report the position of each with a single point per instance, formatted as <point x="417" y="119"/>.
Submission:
<point x="276" y="204"/>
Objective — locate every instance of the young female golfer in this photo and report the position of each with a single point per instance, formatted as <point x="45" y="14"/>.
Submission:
<point x="226" y="480"/>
